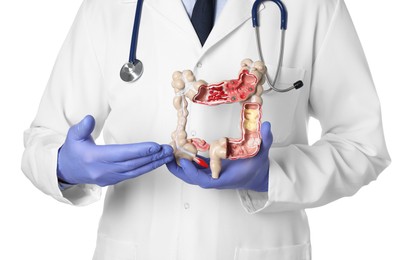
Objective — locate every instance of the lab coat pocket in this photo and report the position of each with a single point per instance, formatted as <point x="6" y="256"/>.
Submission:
<point x="280" y="108"/>
<point x="295" y="252"/>
<point x="108" y="248"/>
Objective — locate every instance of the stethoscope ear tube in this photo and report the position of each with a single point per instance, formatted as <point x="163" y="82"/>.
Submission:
<point x="299" y="84"/>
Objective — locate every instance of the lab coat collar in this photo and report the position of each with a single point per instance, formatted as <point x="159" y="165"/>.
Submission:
<point x="174" y="11"/>
<point x="232" y="16"/>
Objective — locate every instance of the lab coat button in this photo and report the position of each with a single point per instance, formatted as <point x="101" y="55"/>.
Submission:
<point x="199" y="65"/>
<point x="193" y="133"/>
<point x="186" y="205"/>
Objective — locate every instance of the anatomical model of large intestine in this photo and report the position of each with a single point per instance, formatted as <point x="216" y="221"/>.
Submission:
<point x="247" y="89"/>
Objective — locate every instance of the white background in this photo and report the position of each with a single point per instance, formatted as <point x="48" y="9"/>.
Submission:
<point x="376" y="223"/>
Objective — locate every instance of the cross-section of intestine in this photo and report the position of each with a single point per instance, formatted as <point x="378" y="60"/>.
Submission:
<point x="247" y="89"/>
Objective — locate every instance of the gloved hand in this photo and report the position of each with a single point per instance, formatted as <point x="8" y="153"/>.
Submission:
<point x="81" y="161"/>
<point x="251" y="173"/>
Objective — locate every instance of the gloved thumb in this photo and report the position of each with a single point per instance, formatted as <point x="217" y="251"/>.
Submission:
<point x="266" y="136"/>
<point x="83" y="129"/>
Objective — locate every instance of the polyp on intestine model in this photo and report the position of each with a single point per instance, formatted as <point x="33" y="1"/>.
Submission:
<point x="247" y="89"/>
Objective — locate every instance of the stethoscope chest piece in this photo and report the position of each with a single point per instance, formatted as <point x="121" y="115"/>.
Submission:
<point x="131" y="72"/>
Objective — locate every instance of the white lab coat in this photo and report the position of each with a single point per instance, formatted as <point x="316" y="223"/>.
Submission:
<point x="157" y="216"/>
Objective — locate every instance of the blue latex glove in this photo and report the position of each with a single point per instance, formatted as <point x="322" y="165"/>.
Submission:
<point x="251" y="173"/>
<point x="81" y="161"/>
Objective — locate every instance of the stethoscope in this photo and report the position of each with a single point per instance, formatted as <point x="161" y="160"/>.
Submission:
<point x="133" y="69"/>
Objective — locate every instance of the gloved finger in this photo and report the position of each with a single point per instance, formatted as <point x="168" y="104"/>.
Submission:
<point x="147" y="167"/>
<point x="83" y="129"/>
<point x="228" y="179"/>
<point x="126" y="152"/>
<point x="199" y="177"/>
<point x="235" y="173"/>
<point x="266" y="136"/>
<point x="176" y="170"/>
<point x="141" y="161"/>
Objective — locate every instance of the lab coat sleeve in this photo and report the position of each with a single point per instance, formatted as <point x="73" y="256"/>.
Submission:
<point x="351" y="151"/>
<point x="75" y="89"/>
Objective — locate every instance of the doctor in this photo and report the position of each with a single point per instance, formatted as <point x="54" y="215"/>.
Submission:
<point x="256" y="209"/>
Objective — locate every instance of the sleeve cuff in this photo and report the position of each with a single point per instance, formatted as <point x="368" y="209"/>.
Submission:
<point x="80" y="195"/>
<point x="254" y="201"/>
<point x="39" y="163"/>
<point x="77" y="195"/>
<point x="64" y="186"/>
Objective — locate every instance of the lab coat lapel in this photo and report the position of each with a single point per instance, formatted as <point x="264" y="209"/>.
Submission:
<point x="174" y="11"/>
<point x="234" y="14"/>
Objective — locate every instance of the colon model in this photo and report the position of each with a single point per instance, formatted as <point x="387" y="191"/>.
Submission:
<point x="247" y="89"/>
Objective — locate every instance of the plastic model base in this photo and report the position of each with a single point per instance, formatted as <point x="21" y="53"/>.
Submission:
<point x="247" y="89"/>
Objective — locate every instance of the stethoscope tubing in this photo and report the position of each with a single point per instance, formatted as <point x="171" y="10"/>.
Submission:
<point x="284" y="21"/>
<point x="283" y="11"/>
<point x="135" y="32"/>
<point x="279" y="62"/>
<point x="132" y="70"/>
